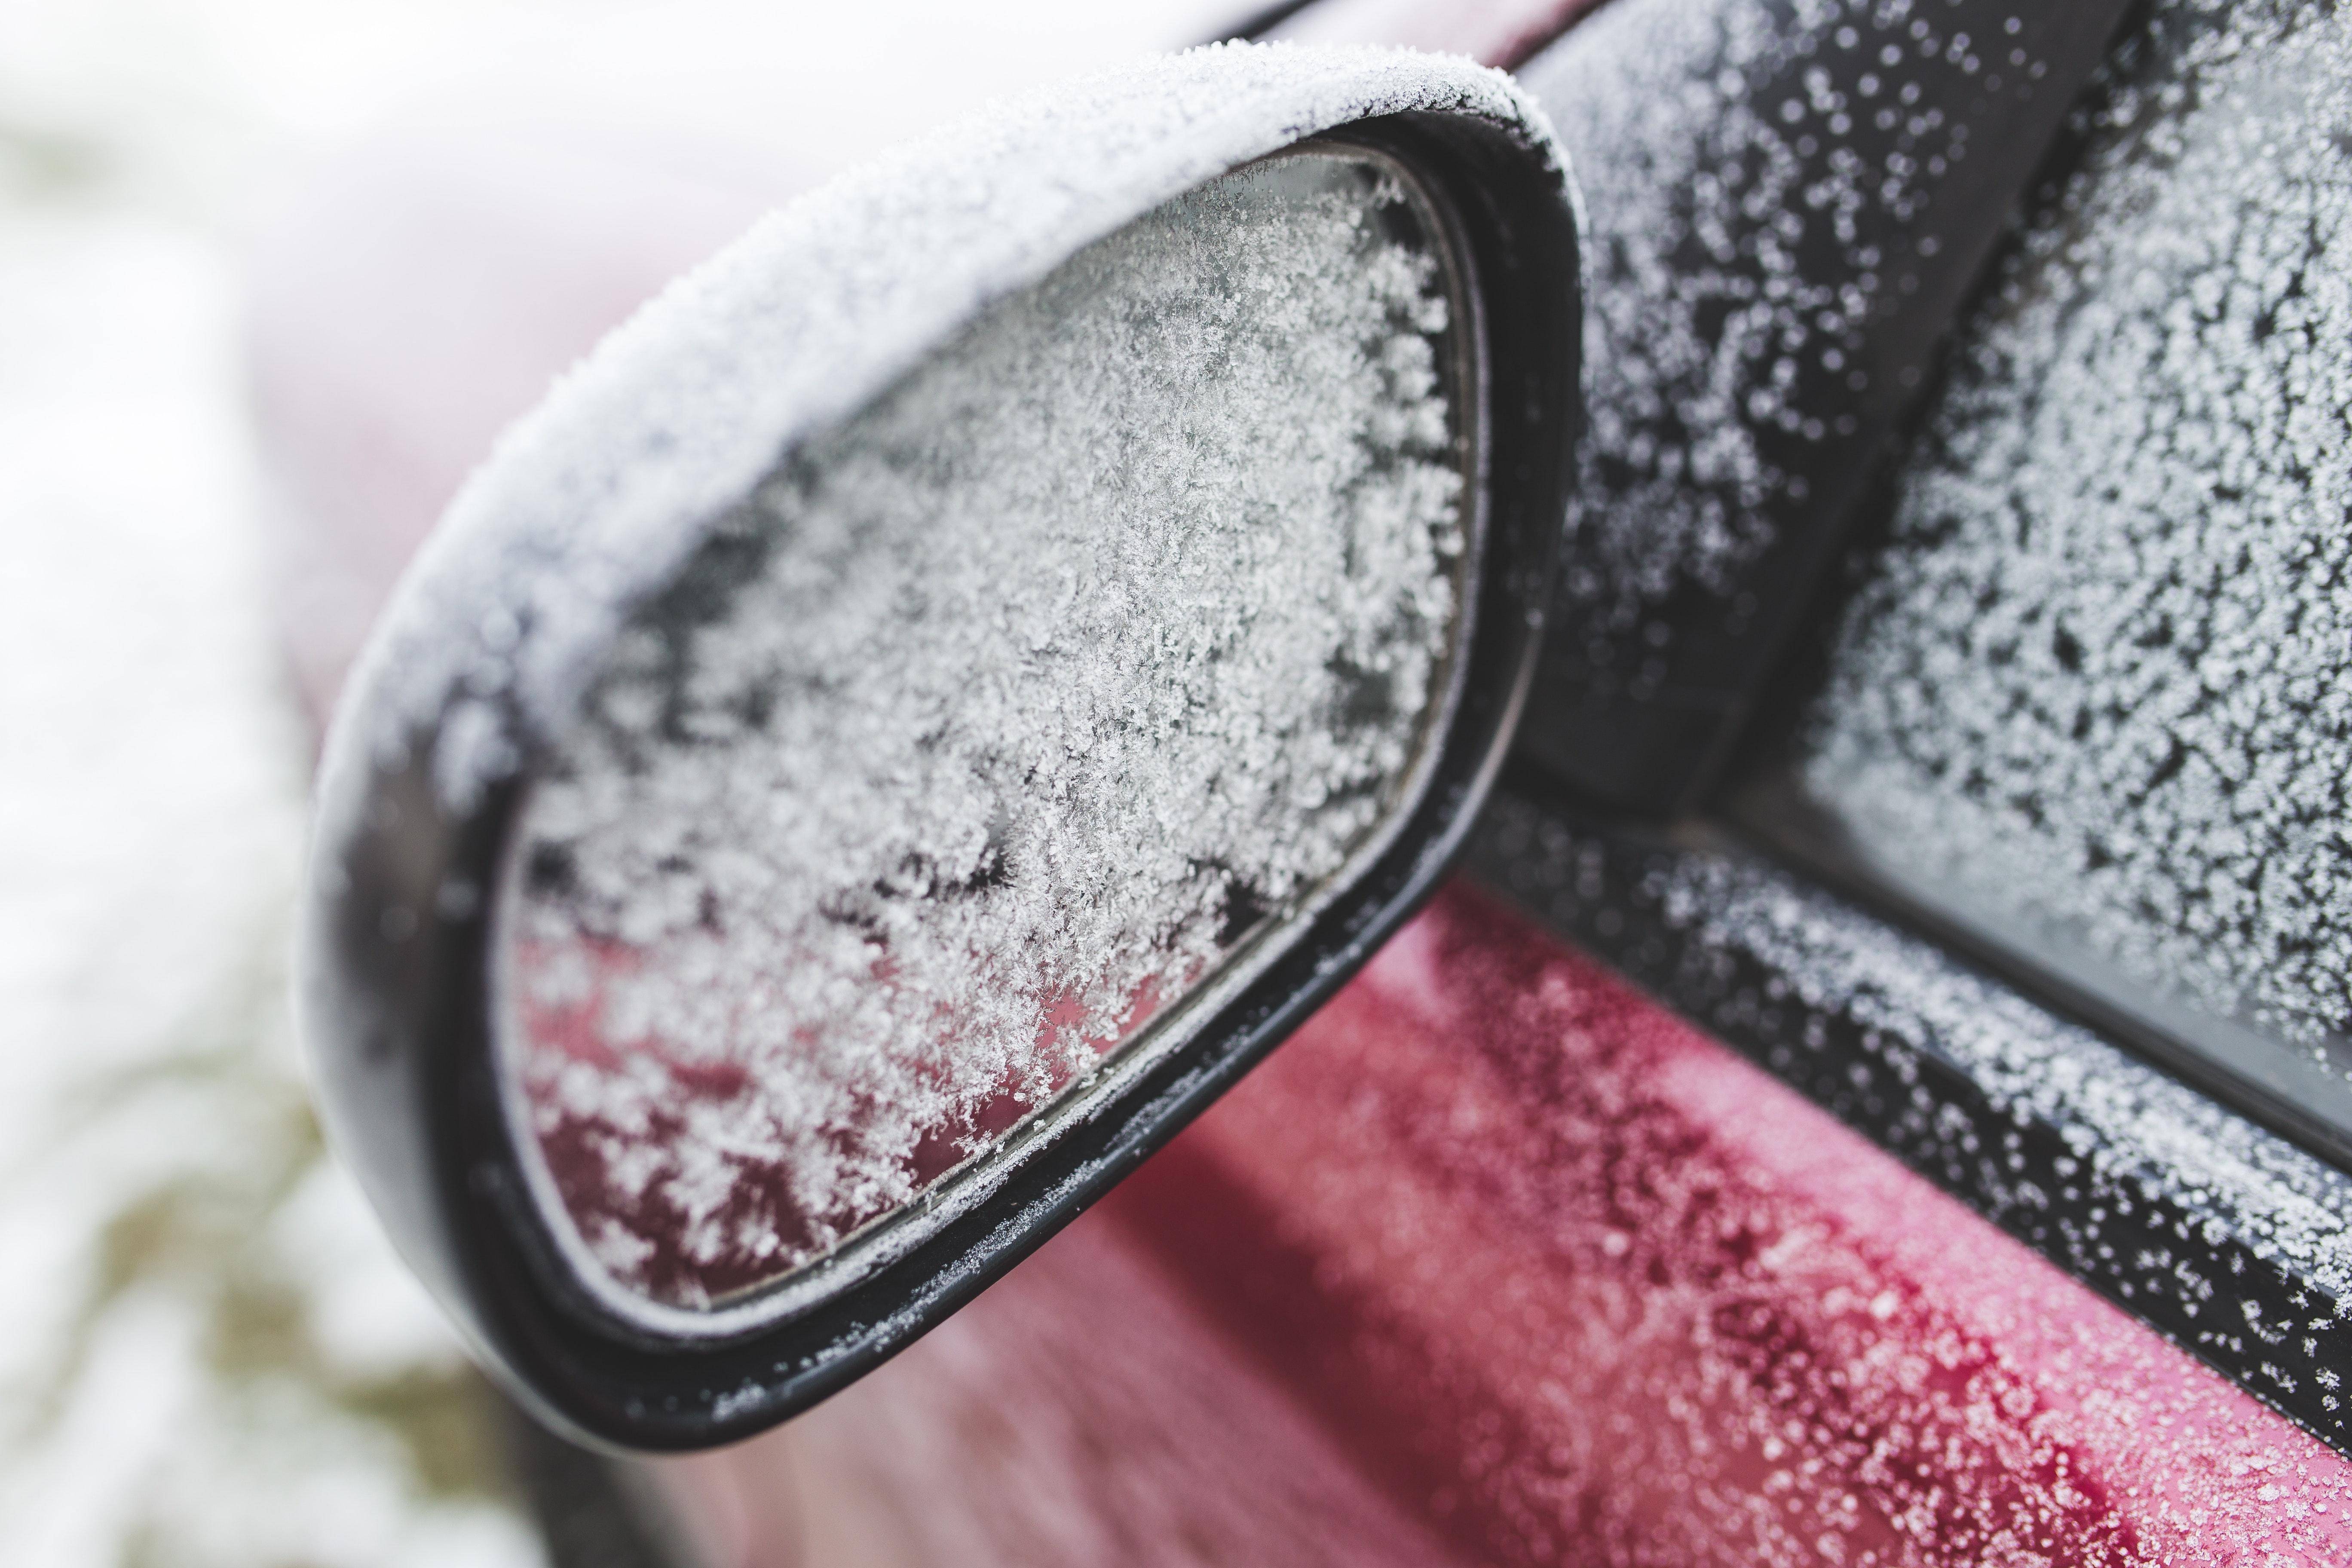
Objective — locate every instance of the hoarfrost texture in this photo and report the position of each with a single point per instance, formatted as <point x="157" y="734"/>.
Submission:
<point x="989" y="724"/>
<point x="797" y="326"/>
<point x="2098" y="679"/>
<point x="1734" y="267"/>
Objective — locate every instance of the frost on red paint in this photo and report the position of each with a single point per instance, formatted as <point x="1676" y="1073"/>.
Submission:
<point x="1557" y="1279"/>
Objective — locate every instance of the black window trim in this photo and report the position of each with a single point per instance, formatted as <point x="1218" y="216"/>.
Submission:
<point x="2064" y="1179"/>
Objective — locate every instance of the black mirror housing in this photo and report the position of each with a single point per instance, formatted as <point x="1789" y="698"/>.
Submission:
<point x="591" y="505"/>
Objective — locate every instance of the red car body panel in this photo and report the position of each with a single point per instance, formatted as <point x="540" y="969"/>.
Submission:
<point x="1497" y="1261"/>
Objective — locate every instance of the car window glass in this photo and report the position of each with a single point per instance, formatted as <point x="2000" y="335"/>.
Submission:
<point x="2096" y="688"/>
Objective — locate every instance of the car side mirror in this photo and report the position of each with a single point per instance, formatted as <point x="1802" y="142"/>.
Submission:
<point x="927" y="704"/>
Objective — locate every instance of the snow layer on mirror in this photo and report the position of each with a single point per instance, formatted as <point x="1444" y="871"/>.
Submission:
<point x="2102" y="678"/>
<point x="800" y="324"/>
<point x="987" y="726"/>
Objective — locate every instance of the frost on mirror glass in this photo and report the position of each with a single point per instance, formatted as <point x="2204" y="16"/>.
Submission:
<point x="988" y="727"/>
<point x="2102" y="677"/>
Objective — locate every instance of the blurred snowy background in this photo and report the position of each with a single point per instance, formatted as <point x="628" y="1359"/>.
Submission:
<point x="207" y="1353"/>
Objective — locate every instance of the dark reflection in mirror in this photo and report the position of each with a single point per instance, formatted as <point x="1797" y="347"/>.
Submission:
<point x="1045" y="694"/>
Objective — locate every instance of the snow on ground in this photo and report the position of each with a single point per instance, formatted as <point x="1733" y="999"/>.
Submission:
<point x="206" y="1352"/>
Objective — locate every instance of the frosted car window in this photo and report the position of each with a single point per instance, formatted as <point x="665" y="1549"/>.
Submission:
<point x="2100" y="682"/>
<point x="988" y="727"/>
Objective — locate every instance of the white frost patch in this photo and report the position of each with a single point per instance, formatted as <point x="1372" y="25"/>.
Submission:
<point x="800" y="325"/>
<point x="989" y="724"/>
<point x="2100" y="677"/>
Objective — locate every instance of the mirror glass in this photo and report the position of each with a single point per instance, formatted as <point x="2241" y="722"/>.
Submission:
<point x="997" y="730"/>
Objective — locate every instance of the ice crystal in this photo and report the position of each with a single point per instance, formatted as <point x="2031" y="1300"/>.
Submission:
<point x="2097" y="679"/>
<point x="989" y="723"/>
